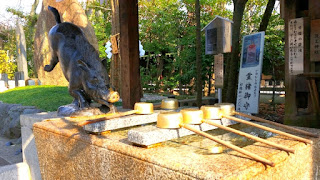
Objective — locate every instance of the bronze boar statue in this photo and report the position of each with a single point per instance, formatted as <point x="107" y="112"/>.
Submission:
<point x="81" y="65"/>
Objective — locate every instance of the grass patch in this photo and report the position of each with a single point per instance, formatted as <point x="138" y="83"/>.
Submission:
<point x="47" y="98"/>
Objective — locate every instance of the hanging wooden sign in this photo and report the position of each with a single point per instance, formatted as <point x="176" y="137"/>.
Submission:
<point x="218" y="71"/>
<point x="114" y="44"/>
<point x="315" y="40"/>
<point x="296" y="46"/>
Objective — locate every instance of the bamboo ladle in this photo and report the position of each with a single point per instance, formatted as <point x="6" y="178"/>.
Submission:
<point x="175" y="120"/>
<point x="214" y="112"/>
<point x="228" y="110"/>
<point x="139" y="108"/>
<point x="277" y="124"/>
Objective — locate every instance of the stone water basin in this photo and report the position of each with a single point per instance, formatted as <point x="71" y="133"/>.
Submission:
<point x="199" y="144"/>
<point x="68" y="152"/>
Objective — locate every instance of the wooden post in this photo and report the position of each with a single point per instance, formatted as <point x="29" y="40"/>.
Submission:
<point x="115" y="70"/>
<point x="129" y="53"/>
<point x="291" y="106"/>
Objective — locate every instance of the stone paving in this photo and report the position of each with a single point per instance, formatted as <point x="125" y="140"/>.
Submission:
<point x="10" y="154"/>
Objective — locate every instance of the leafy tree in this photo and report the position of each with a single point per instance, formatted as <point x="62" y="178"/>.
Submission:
<point x="7" y="66"/>
<point x="174" y="32"/>
<point x="29" y="22"/>
<point x="100" y="17"/>
<point x="233" y="64"/>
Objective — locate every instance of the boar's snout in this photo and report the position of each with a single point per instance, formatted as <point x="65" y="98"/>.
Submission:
<point x="113" y="97"/>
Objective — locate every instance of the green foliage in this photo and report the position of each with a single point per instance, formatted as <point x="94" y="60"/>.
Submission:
<point x="274" y="49"/>
<point x="168" y="27"/>
<point x="28" y="22"/>
<point x="47" y="98"/>
<point x="100" y="18"/>
<point x="7" y="66"/>
<point x="273" y="59"/>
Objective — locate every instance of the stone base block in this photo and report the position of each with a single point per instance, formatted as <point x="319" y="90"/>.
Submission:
<point x="29" y="150"/>
<point x="66" y="151"/>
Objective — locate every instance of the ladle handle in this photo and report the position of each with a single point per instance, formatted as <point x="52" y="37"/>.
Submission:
<point x="269" y="129"/>
<point x="277" y="124"/>
<point x="249" y="136"/>
<point x="231" y="146"/>
<point x="112" y="116"/>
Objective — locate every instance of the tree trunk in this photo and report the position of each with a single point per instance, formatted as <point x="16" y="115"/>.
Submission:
<point x="266" y="16"/>
<point x="34" y="7"/>
<point x="239" y="6"/>
<point x="32" y="28"/>
<point x="160" y="67"/>
<point x="198" y="55"/>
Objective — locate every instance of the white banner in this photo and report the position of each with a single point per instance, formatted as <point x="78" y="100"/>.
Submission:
<point x="250" y="73"/>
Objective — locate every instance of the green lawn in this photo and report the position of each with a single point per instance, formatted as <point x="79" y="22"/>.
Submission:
<point x="47" y="98"/>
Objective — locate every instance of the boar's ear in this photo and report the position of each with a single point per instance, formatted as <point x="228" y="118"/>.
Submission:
<point x="84" y="66"/>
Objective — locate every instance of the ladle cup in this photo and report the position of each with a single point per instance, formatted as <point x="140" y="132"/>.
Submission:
<point x="139" y="108"/>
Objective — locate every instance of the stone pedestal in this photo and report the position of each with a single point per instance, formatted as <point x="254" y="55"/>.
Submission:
<point x="66" y="151"/>
<point x="29" y="150"/>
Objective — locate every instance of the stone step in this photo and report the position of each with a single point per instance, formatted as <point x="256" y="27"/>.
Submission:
<point x="19" y="171"/>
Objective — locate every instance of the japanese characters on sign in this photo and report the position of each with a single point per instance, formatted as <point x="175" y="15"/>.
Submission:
<point x="315" y="40"/>
<point x="218" y="71"/>
<point x="296" y="46"/>
<point x="250" y="73"/>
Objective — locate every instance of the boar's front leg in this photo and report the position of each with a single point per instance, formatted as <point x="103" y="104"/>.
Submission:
<point x="78" y="95"/>
<point x="112" y="107"/>
<point x="53" y="63"/>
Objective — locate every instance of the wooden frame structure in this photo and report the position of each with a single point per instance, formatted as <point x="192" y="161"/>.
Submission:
<point x="125" y="75"/>
<point x="302" y="87"/>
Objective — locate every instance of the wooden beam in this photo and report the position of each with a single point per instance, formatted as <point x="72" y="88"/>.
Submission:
<point x="115" y="70"/>
<point x="129" y="53"/>
<point x="290" y="80"/>
<point x="314" y="6"/>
